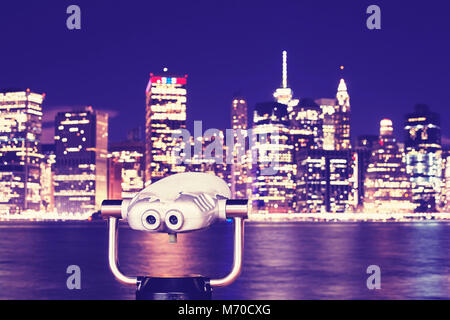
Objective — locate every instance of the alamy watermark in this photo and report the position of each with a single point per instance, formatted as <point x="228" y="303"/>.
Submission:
<point x="257" y="146"/>
<point x="373" y="22"/>
<point x="374" y="280"/>
<point x="73" y="21"/>
<point x="73" y="282"/>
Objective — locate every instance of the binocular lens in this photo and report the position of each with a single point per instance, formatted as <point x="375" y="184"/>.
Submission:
<point x="151" y="219"/>
<point x="173" y="219"/>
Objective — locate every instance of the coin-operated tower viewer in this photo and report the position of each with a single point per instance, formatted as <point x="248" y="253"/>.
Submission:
<point x="184" y="202"/>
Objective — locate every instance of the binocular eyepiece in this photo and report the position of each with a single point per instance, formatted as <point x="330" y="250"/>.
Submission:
<point x="180" y="203"/>
<point x="184" y="216"/>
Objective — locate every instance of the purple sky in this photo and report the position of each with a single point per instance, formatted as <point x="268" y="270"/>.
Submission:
<point x="226" y="47"/>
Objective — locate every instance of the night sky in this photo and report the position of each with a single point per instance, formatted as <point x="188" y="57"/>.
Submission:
<point x="227" y="47"/>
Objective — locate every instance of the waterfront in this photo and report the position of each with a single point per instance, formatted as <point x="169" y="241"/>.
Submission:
<point x="282" y="260"/>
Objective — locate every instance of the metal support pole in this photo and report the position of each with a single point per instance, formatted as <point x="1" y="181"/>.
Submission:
<point x="237" y="256"/>
<point x="113" y="242"/>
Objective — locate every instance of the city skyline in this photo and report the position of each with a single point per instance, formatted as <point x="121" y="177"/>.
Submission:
<point x="315" y="147"/>
<point x="328" y="157"/>
<point x="387" y="71"/>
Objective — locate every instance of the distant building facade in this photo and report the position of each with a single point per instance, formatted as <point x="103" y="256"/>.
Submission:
<point x="306" y="125"/>
<point x="81" y="141"/>
<point x="239" y="167"/>
<point x="323" y="181"/>
<point x="424" y="157"/>
<point x="387" y="185"/>
<point x="365" y="144"/>
<point x="206" y="160"/>
<point x="273" y="167"/>
<point x="445" y="193"/>
<point x="126" y="167"/>
<point x="327" y="116"/>
<point x="20" y="150"/>
<point x="48" y="177"/>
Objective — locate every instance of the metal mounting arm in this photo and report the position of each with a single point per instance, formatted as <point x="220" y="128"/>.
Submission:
<point x="113" y="242"/>
<point x="237" y="256"/>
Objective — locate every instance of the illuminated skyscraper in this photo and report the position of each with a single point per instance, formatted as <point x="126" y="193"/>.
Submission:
<point x="239" y="167"/>
<point x="342" y="118"/>
<point x="424" y="156"/>
<point x="81" y="139"/>
<point x="273" y="169"/>
<point x="305" y="134"/>
<point x="165" y="116"/>
<point x="20" y="150"/>
<point x="335" y="116"/>
<point x="387" y="186"/>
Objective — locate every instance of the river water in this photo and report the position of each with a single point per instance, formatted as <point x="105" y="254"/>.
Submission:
<point x="282" y="260"/>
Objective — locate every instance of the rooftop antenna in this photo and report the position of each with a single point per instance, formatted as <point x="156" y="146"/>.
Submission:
<point x="284" y="69"/>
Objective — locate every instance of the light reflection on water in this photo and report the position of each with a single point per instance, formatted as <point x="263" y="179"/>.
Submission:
<point x="282" y="261"/>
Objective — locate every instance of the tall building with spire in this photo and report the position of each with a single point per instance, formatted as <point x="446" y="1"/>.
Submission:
<point x="165" y="116"/>
<point x="284" y="95"/>
<point x="342" y="118"/>
<point x="387" y="187"/>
